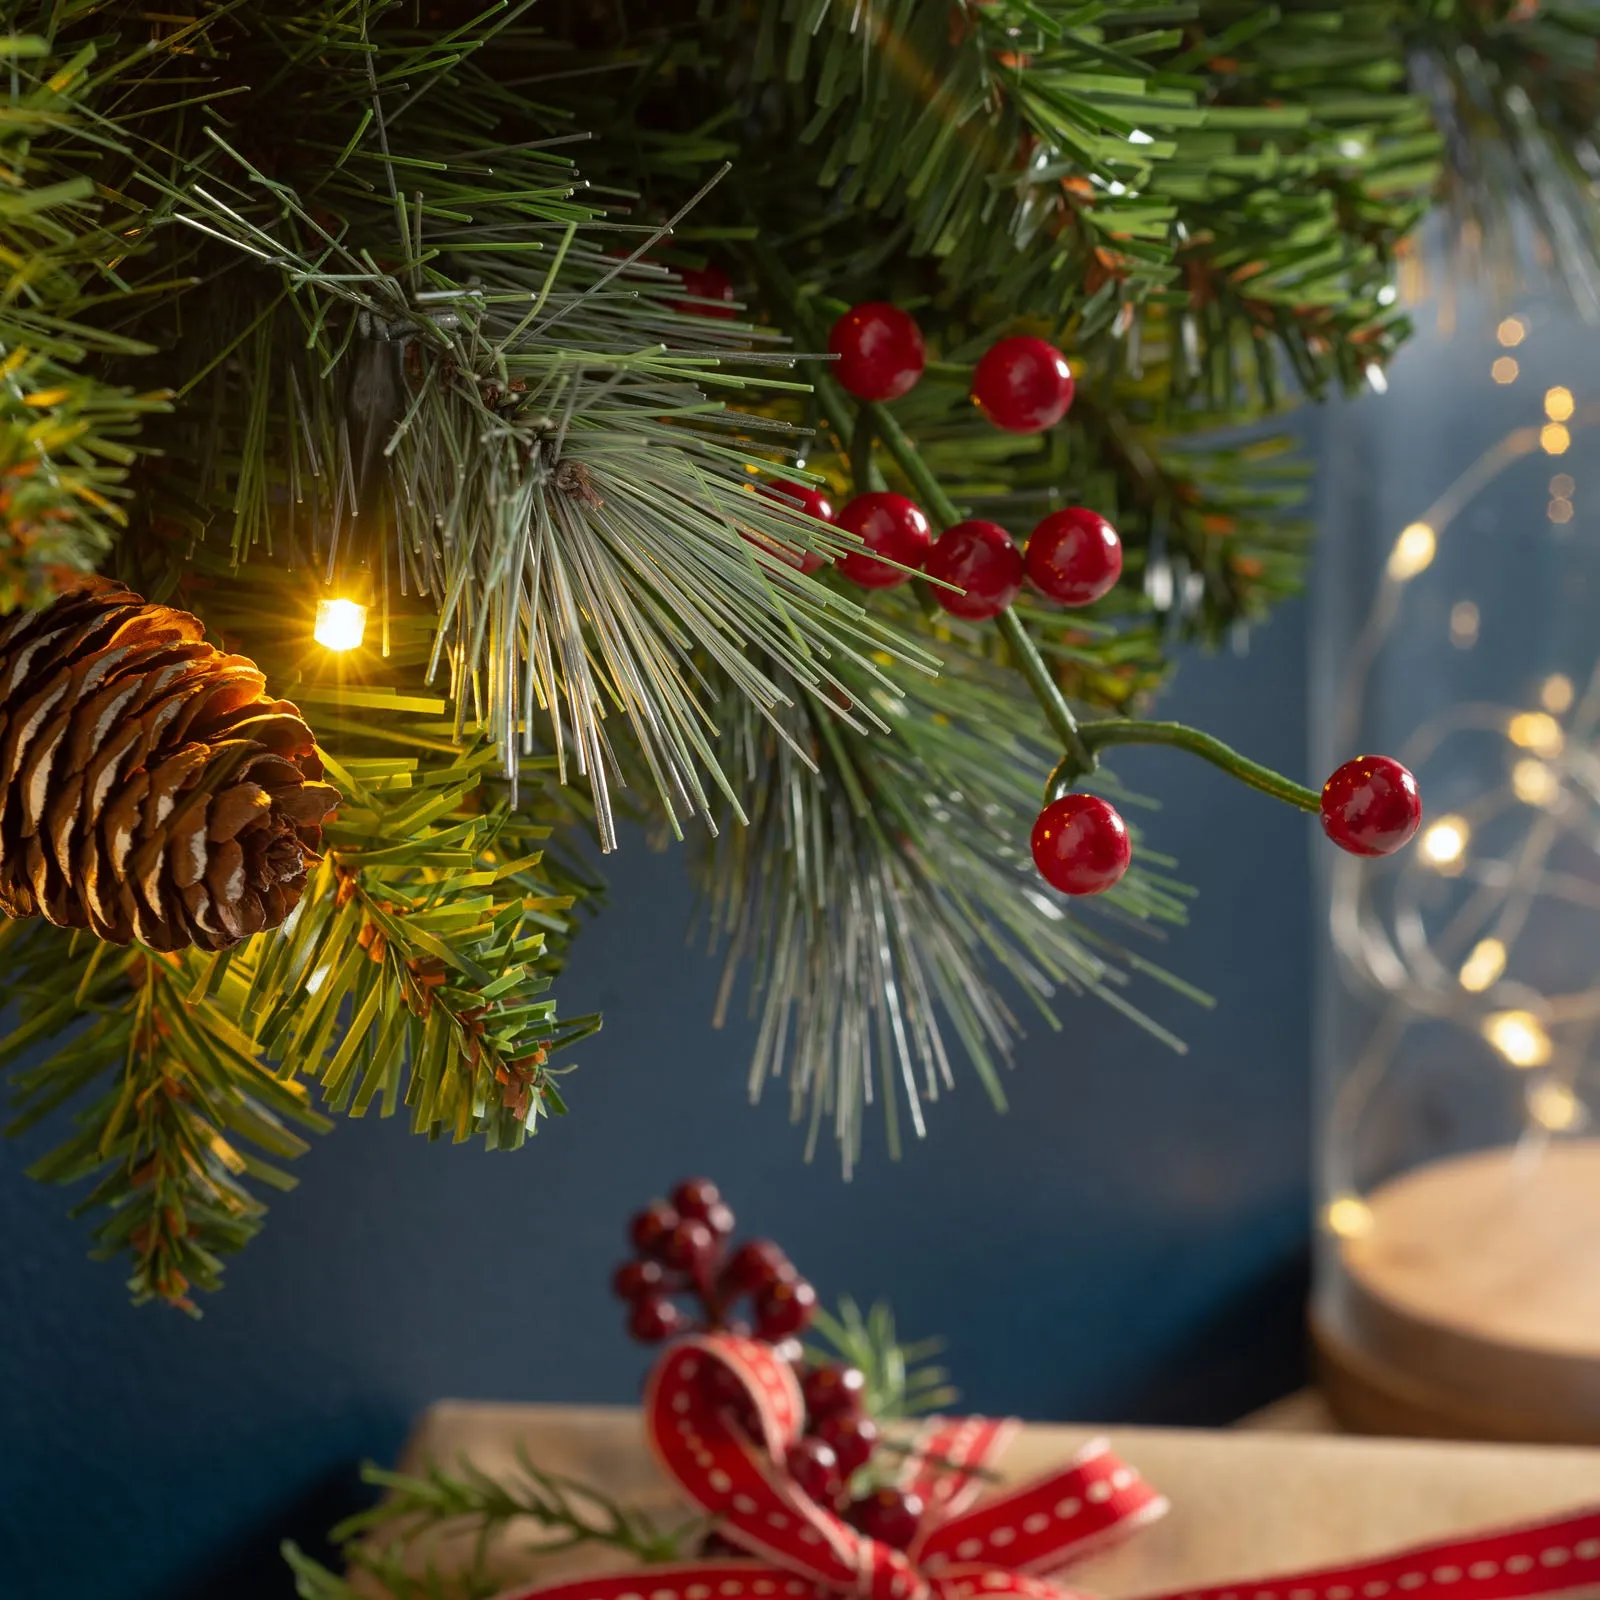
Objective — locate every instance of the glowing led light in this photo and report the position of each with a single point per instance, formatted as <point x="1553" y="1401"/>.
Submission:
<point x="1559" y="511"/>
<point x="1562" y="485"/>
<point x="1388" y="294"/>
<point x="1534" y="783"/>
<point x="1554" y="439"/>
<point x="1511" y="332"/>
<point x="1484" y="966"/>
<point x="1463" y="624"/>
<point x="1555" y="693"/>
<point x="1348" y="1217"/>
<point x="1505" y="369"/>
<point x="1519" y="1036"/>
<point x="1412" y="552"/>
<point x="1556" y="1107"/>
<point x="1445" y="842"/>
<point x="1558" y="405"/>
<point x="341" y="624"/>
<point x="1537" y="731"/>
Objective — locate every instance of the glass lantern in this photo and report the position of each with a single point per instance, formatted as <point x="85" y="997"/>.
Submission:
<point x="1458" y="629"/>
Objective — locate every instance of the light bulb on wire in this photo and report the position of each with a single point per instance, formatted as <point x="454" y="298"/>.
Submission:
<point x="341" y="624"/>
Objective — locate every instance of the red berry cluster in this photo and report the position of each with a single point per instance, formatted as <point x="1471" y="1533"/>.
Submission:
<point x="682" y="1250"/>
<point x="1023" y="385"/>
<point x="681" y="1246"/>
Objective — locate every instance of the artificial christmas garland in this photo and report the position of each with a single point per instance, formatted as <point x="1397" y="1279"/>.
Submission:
<point x="327" y="312"/>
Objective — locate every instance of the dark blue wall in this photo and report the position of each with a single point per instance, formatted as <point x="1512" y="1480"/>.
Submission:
<point x="1127" y="1244"/>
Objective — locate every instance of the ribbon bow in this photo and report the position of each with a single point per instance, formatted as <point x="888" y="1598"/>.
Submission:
<point x="721" y="1413"/>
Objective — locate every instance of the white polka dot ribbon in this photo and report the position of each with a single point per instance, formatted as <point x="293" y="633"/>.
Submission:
<point x="721" y="1413"/>
<point x="1555" y="1557"/>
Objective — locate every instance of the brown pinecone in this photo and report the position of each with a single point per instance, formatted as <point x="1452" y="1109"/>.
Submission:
<point x="149" y="789"/>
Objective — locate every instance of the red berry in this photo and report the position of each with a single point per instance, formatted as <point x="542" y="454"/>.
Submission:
<point x="1371" y="806"/>
<point x="654" y="1318"/>
<point x="1074" y="556"/>
<point x="1024" y="385"/>
<point x="785" y="1308"/>
<point x="689" y="1246"/>
<point x="756" y="1265"/>
<point x="890" y="1515"/>
<point x="853" y="1440"/>
<point x="706" y="283"/>
<point x="694" y="1197"/>
<point x="651" y="1226"/>
<point x="814" y="1466"/>
<point x="1080" y="844"/>
<point x="880" y="351"/>
<point x="983" y="563"/>
<point x="634" y="1278"/>
<point x="814" y="503"/>
<point x="833" y="1390"/>
<point x="804" y="497"/>
<point x="894" y="528"/>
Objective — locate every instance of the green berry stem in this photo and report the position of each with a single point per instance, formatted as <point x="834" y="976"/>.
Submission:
<point x="1128" y="730"/>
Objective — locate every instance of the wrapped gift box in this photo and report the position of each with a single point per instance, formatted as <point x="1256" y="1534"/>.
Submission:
<point x="1243" y="1504"/>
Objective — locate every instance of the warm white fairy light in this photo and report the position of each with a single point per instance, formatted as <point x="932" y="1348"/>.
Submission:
<point x="1537" y="731"/>
<point x="1505" y="369"/>
<point x="1554" y="439"/>
<point x="1413" y="551"/>
<point x="1555" y="693"/>
<point x="1519" y="1036"/>
<point x="1348" y="1216"/>
<point x="1464" y="619"/>
<point x="1511" y="332"/>
<point x="1444" y="843"/>
<point x="1484" y="967"/>
<point x="341" y="624"/>
<point x="1555" y="1107"/>
<point x="1534" y="784"/>
<point x="1559" y="404"/>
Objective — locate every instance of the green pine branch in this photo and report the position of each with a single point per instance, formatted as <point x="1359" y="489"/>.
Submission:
<point x="414" y="972"/>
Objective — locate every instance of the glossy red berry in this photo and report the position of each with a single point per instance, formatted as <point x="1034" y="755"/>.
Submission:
<point x="814" y="1467"/>
<point x="890" y="526"/>
<point x="654" y="1318"/>
<point x="811" y="500"/>
<point x="689" y="1246"/>
<point x="880" y="351"/>
<point x="1074" y="556"/>
<point x="1080" y="844"/>
<point x="634" y="1278"/>
<point x="890" y="1515"/>
<point x="833" y="1390"/>
<point x="707" y="283"/>
<point x="980" y="559"/>
<point x="1024" y="385"/>
<point x="1370" y="806"/>
<point x="694" y="1197"/>
<point x="651" y="1226"/>
<point x="785" y="1308"/>
<point x="755" y="1265"/>
<point x="853" y="1440"/>
<point x="720" y="1220"/>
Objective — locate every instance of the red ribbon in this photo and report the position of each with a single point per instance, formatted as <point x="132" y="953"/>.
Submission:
<point x="998" y="1548"/>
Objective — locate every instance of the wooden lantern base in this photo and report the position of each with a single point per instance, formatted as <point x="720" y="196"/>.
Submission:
<point x="1470" y="1309"/>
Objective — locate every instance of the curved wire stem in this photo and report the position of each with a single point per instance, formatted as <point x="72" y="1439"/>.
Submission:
<point x="1129" y="730"/>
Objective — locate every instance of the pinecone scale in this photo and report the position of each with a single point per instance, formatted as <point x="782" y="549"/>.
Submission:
<point x="149" y="787"/>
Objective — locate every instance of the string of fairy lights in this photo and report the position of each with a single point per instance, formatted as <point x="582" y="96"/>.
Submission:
<point x="1435" y="932"/>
